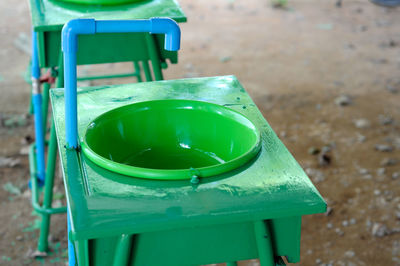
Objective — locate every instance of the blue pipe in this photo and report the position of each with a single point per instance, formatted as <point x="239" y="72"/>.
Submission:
<point x="75" y="27"/>
<point x="35" y="58"/>
<point x="69" y="35"/>
<point x="37" y="107"/>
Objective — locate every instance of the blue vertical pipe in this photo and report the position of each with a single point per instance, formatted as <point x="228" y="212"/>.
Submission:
<point x="69" y="44"/>
<point x="37" y="107"/>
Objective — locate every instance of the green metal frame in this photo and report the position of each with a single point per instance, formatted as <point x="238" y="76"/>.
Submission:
<point x="252" y="212"/>
<point x="45" y="209"/>
<point x="48" y="18"/>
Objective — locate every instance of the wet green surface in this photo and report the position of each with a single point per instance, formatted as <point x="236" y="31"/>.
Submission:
<point x="171" y="139"/>
<point x="100" y="2"/>
<point x="48" y="15"/>
<point x="103" y="203"/>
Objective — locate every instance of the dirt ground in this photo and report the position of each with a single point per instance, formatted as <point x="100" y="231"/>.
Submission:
<point x="326" y="77"/>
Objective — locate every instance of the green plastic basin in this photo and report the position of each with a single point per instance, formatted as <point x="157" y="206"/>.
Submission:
<point x="171" y="139"/>
<point x="100" y="2"/>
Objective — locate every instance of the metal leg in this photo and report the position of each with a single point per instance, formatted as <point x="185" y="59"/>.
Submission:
<point x="137" y="71"/>
<point x="48" y="192"/>
<point x="82" y="253"/>
<point x="71" y="251"/>
<point x="146" y="69"/>
<point x="49" y="180"/>
<point x="45" y="106"/>
<point x="154" y="57"/>
<point x="30" y="111"/>
<point x="123" y="250"/>
<point x="263" y="238"/>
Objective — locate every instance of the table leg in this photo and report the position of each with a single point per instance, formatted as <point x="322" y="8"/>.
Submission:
<point x="264" y="244"/>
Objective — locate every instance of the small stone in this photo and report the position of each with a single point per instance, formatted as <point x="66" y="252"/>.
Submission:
<point x="363" y="171"/>
<point x="313" y="151"/>
<point x="396" y="175"/>
<point x="362" y="28"/>
<point x="396" y="142"/>
<point x="9" y="162"/>
<point x="189" y="66"/>
<point x="377" y="192"/>
<point x="191" y="75"/>
<point x="353" y="221"/>
<point x="19" y="238"/>
<point x="343" y="100"/>
<point x="38" y="254"/>
<point x="367" y="176"/>
<point x="329" y="225"/>
<point x="324" y="159"/>
<point x="397" y="214"/>
<point x="339" y="231"/>
<point x="345" y="223"/>
<point x="388" y="162"/>
<point x="380" y="171"/>
<point x="349" y="253"/>
<point x="361" y="138"/>
<point x="24" y="150"/>
<point x="326" y="148"/>
<point x="316" y="175"/>
<point x="318" y="261"/>
<point x="380" y="230"/>
<point x="362" y="123"/>
<point x="383" y="148"/>
<point x="368" y="223"/>
<point x="27" y="194"/>
<point x="385" y="120"/>
<point x="225" y="59"/>
<point x="329" y="211"/>
<point x="392" y="89"/>
<point x="27" y="140"/>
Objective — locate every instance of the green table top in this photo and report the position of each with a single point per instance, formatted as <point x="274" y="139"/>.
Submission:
<point x="102" y="203"/>
<point x="51" y="15"/>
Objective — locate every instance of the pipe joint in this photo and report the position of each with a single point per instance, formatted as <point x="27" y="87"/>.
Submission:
<point x="36" y="86"/>
<point x="72" y="29"/>
<point x="171" y="30"/>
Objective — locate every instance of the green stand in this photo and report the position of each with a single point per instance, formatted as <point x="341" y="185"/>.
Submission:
<point x="251" y="212"/>
<point x="48" y="18"/>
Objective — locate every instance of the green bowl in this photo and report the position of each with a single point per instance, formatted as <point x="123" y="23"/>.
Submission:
<point x="100" y="2"/>
<point x="171" y="139"/>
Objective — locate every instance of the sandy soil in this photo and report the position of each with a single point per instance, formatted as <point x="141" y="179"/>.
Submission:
<point x="327" y="79"/>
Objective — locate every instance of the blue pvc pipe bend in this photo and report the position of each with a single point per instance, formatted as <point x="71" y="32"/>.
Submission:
<point x="76" y="27"/>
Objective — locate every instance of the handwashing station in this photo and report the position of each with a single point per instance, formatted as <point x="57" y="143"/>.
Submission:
<point x="180" y="172"/>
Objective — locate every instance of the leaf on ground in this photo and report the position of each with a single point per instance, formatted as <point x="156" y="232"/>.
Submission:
<point x="58" y="196"/>
<point x="10" y="188"/>
<point x="225" y="59"/>
<point x="325" y="26"/>
<point x="5" y="258"/>
<point x="32" y="226"/>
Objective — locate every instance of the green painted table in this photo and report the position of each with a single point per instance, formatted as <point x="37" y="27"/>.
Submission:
<point x="48" y="18"/>
<point x="252" y="212"/>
